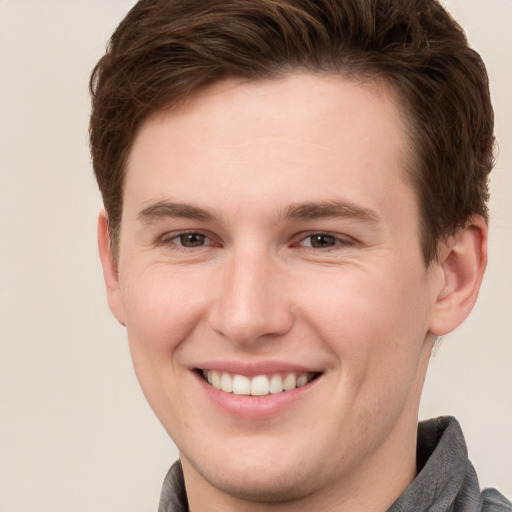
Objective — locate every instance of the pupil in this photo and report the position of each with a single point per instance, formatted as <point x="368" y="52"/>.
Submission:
<point x="192" y="239"/>
<point x="322" y="241"/>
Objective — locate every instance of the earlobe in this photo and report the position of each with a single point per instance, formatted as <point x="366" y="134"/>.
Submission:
<point x="462" y="265"/>
<point x="110" y="269"/>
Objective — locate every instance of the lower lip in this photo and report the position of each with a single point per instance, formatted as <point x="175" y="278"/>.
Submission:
<point x="255" y="407"/>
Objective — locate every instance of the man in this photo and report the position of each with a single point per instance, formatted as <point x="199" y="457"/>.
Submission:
<point x="295" y="209"/>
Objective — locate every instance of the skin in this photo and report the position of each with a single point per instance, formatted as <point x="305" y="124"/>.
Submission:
<point x="274" y="279"/>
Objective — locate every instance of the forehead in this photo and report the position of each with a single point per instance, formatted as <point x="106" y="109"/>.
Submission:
<point x="269" y="104"/>
<point x="309" y="136"/>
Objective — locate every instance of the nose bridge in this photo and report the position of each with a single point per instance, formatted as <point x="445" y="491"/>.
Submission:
<point x="250" y="303"/>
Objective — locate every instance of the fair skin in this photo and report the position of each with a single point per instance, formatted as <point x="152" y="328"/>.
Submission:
<point x="268" y="229"/>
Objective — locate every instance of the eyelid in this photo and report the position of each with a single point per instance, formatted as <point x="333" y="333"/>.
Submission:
<point x="168" y="239"/>
<point x="341" y="240"/>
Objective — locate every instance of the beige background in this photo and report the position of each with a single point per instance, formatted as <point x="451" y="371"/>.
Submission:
<point x="75" y="432"/>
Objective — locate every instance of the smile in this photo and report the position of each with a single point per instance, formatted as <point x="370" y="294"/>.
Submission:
<point x="260" y="385"/>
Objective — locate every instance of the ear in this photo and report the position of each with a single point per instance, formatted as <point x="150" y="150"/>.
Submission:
<point x="110" y="271"/>
<point x="462" y="263"/>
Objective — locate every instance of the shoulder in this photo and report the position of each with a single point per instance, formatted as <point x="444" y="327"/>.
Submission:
<point x="494" y="501"/>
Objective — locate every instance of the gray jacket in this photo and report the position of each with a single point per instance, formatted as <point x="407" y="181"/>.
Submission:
<point x="446" y="480"/>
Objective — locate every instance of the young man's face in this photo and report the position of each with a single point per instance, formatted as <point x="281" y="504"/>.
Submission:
<point x="269" y="234"/>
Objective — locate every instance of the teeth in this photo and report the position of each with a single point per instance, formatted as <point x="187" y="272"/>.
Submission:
<point x="302" y="380"/>
<point x="216" y="380"/>
<point x="290" y="382"/>
<point x="241" y="385"/>
<point x="276" y="384"/>
<point x="260" y="385"/>
<point x="226" y="383"/>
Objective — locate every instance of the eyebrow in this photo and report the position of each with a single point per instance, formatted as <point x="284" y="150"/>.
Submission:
<point x="167" y="209"/>
<point x="326" y="209"/>
<point x="301" y="211"/>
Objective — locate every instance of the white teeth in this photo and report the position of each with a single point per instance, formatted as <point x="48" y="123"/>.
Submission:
<point x="260" y="385"/>
<point x="290" y="382"/>
<point x="215" y="380"/>
<point x="276" y="384"/>
<point x="241" y="385"/>
<point x="226" y="383"/>
<point x="302" y="380"/>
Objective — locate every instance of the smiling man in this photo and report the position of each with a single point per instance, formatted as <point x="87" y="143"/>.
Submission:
<point x="295" y="209"/>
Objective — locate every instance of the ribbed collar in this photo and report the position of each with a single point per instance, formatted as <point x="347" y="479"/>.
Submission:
<point x="446" y="480"/>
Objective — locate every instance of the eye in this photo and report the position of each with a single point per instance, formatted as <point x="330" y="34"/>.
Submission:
<point x="190" y="239"/>
<point x="186" y="239"/>
<point x="324" y="241"/>
<point x="320" y="241"/>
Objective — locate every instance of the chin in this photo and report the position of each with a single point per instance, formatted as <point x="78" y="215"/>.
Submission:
<point x="260" y="485"/>
<point x="260" y="471"/>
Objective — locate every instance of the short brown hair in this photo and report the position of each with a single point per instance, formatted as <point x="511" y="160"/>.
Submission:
<point x="165" y="50"/>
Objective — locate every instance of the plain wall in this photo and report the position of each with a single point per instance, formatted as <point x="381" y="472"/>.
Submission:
<point x="75" y="431"/>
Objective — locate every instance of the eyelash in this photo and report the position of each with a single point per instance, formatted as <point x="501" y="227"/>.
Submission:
<point x="339" y="242"/>
<point x="170" y="239"/>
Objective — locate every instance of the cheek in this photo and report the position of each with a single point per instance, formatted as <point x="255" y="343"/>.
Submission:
<point x="371" y="320"/>
<point x="161" y="312"/>
<point x="377" y="332"/>
<point x="162" y="309"/>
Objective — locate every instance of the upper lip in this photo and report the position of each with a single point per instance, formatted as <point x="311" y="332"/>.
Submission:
<point x="252" y="369"/>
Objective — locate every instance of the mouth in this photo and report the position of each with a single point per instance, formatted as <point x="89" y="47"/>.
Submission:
<point x="259" y="385"/>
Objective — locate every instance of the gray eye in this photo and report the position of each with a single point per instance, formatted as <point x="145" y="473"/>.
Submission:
<point x="322" y="240"/>
<point x="192" y="239"/>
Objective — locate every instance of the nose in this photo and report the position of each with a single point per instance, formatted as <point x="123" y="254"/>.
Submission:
<point x="250" y="303"/>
